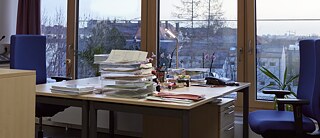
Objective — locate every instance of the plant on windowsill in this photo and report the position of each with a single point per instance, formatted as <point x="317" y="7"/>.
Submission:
<point x="284" y="84"/>
<point x="212" y="58"/>
<point x="171" y="56"/>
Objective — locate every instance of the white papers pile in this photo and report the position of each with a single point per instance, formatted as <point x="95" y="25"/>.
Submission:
<point x="130" y="73"/>
<point x="127" y="56"/>
<point x="72" y="89"/>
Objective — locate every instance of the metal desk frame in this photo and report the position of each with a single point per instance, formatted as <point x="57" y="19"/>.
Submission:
<point x="84" y="104"/>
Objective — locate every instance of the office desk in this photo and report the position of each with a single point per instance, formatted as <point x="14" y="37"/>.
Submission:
<point x="44" y="95"/>
<point x="176" y="110"/>
<point x="141" y="106"/>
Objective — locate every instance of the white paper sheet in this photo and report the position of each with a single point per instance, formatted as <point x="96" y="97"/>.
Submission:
<point x="122" y="56"/>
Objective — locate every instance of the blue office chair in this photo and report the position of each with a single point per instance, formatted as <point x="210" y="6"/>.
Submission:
<point x="28" y="52"/>
<point x="273" y="124"/>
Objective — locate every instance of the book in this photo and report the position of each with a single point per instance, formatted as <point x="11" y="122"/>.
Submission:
<point x="129" y="71"/>
<point x="120" y="69"/>
<point x="72" y="87"/>
<point x="71" y="92"/>
<point x="122" y="56"/>
<point x="126" y="76"/>
<point x="174" y="100"/>
<point x="133" y="85"/>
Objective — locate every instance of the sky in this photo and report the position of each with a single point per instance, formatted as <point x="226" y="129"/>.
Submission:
<point x="266" y="9"/>
<point x="115" y="8"/>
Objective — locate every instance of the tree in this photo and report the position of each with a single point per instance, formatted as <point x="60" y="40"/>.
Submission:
<point x="189" y="10"/>
<point x="115" y="40"/>
<point x="208" y="15"/>
<point x="103" y="38"/>
<point x="213" y="15"/>
<point x="54" y="28"/>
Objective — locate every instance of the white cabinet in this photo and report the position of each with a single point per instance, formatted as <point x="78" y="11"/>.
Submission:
<point x="225" y="118"/>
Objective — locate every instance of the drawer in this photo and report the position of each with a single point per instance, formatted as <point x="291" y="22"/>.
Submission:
<point x="226" y="104"/>
<point x="227" y="132"/>
<point x="226" y="117"/>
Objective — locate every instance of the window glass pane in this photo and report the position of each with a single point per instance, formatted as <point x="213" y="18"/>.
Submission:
<point x="54" y="26"/>
<point x="278" y="33"/>
<point x="105" y="25"/>
<point x="203" y="31"/>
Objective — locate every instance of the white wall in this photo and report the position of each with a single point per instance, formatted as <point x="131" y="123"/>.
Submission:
<point x="8" y="18"/>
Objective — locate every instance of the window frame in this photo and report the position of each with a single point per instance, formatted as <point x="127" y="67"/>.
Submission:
<point x="246" y="32"/>
<point x="250" y="52"/>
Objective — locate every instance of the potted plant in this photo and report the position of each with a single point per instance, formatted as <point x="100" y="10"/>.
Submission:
<point x="277" y="83"/>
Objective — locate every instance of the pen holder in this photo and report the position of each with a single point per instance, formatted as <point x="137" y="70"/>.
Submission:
<point x="186" y="81"/>
<point x="161" y="75"/>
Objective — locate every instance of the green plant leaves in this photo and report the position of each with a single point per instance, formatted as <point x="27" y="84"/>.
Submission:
<point x="281" y="84"/>
<point x="271" y="75"/>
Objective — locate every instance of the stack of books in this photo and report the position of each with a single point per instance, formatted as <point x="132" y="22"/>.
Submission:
<point x="72" y="89"/>
<point x="127" y="71"/>
<point x="127" y="77"/>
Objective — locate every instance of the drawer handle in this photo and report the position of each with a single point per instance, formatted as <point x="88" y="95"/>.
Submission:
<point x="229" y="113"/>
<point x="232" y="106"/>
<point x="229" y="129"/>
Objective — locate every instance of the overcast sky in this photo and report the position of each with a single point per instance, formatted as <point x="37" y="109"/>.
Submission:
<point x="266" y="9"/>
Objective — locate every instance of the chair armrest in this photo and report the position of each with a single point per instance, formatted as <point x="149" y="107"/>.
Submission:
<point x="297" y="112"/>
<point x="278" y="93"/>
<point x="61" y="78"/>
<point x="293" y="101"/>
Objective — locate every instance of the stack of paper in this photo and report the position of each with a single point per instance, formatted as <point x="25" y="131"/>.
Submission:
<point x="130" y="72"/>
<point x="176" y="98"/>
<point x="72" y="89"/>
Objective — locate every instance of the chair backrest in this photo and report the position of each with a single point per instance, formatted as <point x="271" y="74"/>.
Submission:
<point x="309" y="77"/>
<point x="28" y="52"/>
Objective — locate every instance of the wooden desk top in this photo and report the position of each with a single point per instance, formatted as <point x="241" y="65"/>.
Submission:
<point x="44" y="89"/>
<point x="210" y="94"/>
<point x="6" y="73"/>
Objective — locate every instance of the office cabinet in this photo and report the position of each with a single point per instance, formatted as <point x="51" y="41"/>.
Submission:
<point x="212" y="120"/>
<point x="17" y="103"/>
<point x="225" y="118"/>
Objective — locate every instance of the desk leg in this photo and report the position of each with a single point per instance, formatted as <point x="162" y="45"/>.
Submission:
<point x="246" y="112"/>
<point x="111" y="123"/>
<point x="85" y="120"/>
<point x="185" y="124"/>
<point x="93" y="121"/>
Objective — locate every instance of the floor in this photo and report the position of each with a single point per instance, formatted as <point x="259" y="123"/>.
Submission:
<point x="61" y="132"/>
<point x="51" y="131"/>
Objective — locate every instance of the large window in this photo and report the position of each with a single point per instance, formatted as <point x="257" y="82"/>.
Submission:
<point x="105" y="25"/>
<point x="278" y="32"/>
<point x="204" y="32"/>
<point x="54" y="27"/>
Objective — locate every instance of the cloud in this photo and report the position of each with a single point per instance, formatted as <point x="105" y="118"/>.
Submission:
<point x="124" y="9"/>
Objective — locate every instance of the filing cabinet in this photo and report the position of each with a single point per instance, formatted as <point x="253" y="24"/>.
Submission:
<point x="212" y="120"/>
<point x="225" y="118"/>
